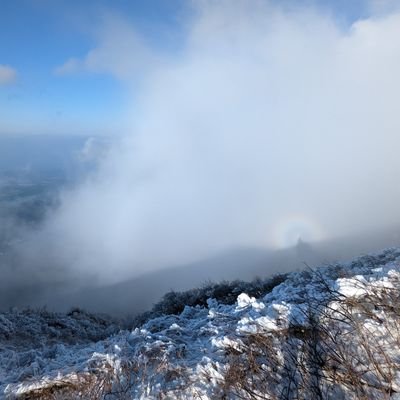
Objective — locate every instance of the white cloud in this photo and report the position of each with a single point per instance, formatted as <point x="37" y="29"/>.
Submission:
<point x="71" y="66"/>
<point x="121" y="52"/>
<point x="7" y="74"/>
<point x="264" y="114"/>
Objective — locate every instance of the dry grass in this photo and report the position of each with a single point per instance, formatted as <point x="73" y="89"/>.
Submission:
<point x="348" y="348"/>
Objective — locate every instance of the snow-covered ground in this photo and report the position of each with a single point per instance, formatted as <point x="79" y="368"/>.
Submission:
<point x="332" y="332"/>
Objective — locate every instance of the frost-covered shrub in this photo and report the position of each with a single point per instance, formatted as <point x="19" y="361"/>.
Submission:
<point x="7" y="328"/>
<point x="224" y="292"/>
<point x="37" y="326"/>
<point x="329" y="333"/>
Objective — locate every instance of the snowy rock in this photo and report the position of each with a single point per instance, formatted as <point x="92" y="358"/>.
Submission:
<point x="244" y="301"/>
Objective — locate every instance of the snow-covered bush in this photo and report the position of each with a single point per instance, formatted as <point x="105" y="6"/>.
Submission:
<point x="328" y="333"/>
<point x="224" y="292"/>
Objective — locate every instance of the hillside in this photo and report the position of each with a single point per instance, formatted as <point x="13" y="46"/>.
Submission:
<point x="326" y="333"/>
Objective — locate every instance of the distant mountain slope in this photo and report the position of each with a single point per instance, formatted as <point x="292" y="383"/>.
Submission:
<point x="327" y="333"/>
<point x="137" y="294"/>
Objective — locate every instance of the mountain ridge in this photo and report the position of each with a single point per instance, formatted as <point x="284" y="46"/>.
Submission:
<point x="291" y="341"/>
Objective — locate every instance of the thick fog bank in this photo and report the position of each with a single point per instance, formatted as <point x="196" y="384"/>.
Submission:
<point x="265" y="125"/>
<point x="58" y="290"/>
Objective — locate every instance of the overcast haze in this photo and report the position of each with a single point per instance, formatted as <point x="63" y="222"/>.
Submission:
<point x="254" y="123"/>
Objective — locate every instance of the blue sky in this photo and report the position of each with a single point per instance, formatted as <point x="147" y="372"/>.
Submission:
<point x="39" y="36"/>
